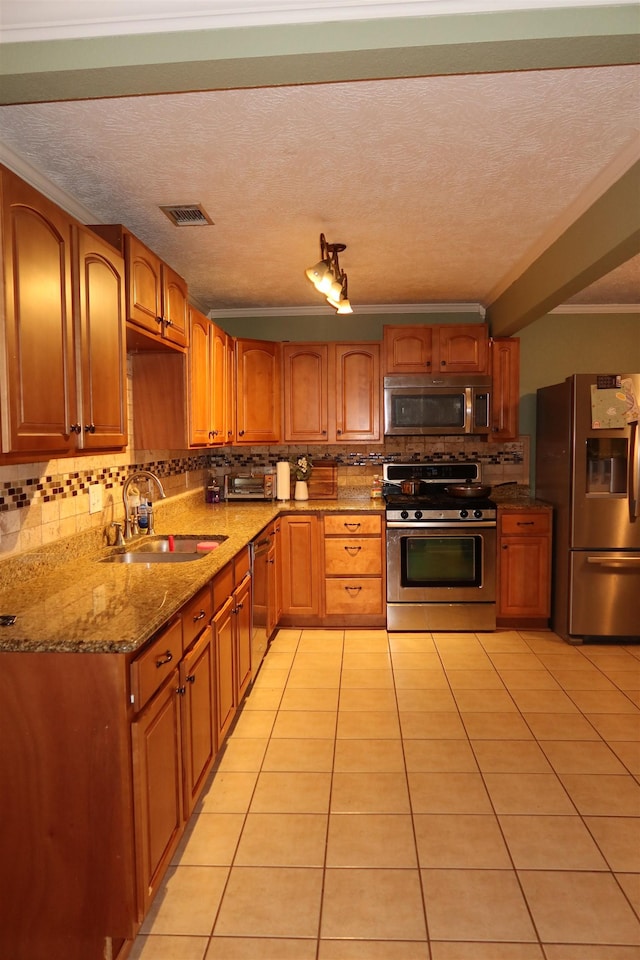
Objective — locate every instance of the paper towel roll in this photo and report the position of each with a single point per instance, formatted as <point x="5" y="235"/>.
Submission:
<point x="283" y="480"/>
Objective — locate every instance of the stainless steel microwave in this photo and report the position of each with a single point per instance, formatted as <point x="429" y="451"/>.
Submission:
<point x="415" y="405"/>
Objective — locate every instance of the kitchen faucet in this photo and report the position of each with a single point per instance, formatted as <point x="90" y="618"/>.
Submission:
<point x="131" y="521"/>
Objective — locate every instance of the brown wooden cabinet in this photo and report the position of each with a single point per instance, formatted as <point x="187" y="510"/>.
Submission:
<point x="300" y="569"/>
<point x="207" y="394"/>
<point x="232" y="640"/>
<point x="446" y="348"/>
<point x="354" y="569"/>
<point x="331" y="392"/>
<point x="505" y="372"/>
<point x="332" y="570"/>
<point x="258" y="391"/>
<point x="64" y="381"/>
<point x="524" y="566"/>
<point x="100" y="324"/>
<point x="156" y="296"/>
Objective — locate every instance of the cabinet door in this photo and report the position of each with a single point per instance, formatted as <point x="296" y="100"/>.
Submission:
<point x="300" y="566"/>
<point x="144" y="286"/>
<point x="505" y="370"/>
<point x="224" y="639"/>
<point x="219" y="374"/>
<point x="200" y="380"/>
<point x="408" y="349"/>
<point x="242" y="613"/>
<point x="305" y="367"/>
<point x="100" y="318"/>
<point x="158" y="791"/>
<point x="230" y="389"/>
<point x="462" y="348"/>
<point x="524" y="577"/>
<point x="39" y="409"/>
<point x="357" y="392"/>
<point x="258" y="391"/>
<point x="175" y="307"/>
<point x="198" y="717"/>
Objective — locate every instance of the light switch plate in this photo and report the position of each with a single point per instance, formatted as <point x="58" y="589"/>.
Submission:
<point x="95" y="498"/>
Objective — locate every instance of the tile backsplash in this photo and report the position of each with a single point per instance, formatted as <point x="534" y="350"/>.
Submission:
<point x="44" y="502"/>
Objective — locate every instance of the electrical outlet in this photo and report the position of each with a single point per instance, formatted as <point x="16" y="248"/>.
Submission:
<point x="95" y="498"/>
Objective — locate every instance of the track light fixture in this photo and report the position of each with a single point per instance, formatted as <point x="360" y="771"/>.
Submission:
<point x="328" y="278"/>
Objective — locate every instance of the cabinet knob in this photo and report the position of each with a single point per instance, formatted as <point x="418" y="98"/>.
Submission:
<point x="159" y="321"/>
<point x="443" y="363"/>
<point x="241" y="433"/>
<point x="75" y="428"/>
<point x="90" y="427"/>
<point x="181" y="691"/>
<point x="191" y="678"/>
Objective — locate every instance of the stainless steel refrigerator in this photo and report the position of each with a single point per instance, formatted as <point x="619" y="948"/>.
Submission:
<point x="588" y="468"/>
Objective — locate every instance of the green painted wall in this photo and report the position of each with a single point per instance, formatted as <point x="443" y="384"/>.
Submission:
<point x="331" y="326"/>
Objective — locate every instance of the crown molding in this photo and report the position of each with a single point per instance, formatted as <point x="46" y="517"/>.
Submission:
<point x="597" y="308"/>
<point x="37" y="179"/>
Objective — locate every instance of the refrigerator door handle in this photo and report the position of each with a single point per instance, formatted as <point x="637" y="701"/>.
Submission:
<point x="615" y="561"/>
<point x="634" y="472"/>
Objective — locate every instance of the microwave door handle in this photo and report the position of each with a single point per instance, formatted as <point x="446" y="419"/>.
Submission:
<point x="468" y="416"/>
<point x="634" y="471"/>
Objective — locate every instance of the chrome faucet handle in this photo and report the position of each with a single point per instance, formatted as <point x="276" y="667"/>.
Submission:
<point x="119" y="539"/>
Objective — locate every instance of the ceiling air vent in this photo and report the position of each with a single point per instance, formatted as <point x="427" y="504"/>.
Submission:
<point x="187" y="215"/>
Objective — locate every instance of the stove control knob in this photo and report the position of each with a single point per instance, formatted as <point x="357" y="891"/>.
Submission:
<point x="464" y="514"/>
<point x="418" y="514"/>
<point x="477" y="514"/>
<point x="404" y="514"/>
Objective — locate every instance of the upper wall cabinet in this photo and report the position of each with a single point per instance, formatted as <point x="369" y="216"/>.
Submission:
<point x="447" y="348"/>
<point x="505" y="373"/>
<point x="257" y="390"/>
<point x="331" y="392"/>
<point x="63" y="334"/>
<point x="208" y="373"/>
<point x="157" y="304"/>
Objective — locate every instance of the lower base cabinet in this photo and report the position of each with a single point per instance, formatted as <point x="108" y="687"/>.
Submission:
<point x="524" y="567"/>
<point x="107" y="755"/>
<point x="332" y="570"/>
<point x="232" y="641"/>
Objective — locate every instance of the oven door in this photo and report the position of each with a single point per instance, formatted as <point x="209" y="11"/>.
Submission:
<point x="441" y="577"/>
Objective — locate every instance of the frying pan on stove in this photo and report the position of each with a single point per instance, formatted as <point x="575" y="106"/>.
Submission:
<point x="468" y="490"/>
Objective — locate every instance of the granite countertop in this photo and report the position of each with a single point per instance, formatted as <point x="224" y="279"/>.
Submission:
<point x="66" y="601"/>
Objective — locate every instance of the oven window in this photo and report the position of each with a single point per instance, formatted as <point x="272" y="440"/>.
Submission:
<point x="423" y="410"/>
<point x="451" y="561"/>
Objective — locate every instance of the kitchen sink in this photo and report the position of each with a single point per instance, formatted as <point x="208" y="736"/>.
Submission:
<point x="167" y="549"/>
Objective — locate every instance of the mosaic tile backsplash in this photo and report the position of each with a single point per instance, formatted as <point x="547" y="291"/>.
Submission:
<point x="43" y="502"/>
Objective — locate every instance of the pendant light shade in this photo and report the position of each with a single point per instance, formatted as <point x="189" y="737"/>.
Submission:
<point x="328" y="278"/>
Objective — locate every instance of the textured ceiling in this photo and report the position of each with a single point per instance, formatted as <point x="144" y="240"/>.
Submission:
<point x="441" y="187"/>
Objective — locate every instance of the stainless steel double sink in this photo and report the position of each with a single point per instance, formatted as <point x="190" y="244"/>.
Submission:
<point x="167" y="548"/>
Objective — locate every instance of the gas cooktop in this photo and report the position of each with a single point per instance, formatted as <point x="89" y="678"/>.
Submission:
<point x="431" y="502"/>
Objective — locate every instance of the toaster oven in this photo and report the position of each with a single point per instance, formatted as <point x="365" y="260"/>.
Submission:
<point x="238" y="486"/>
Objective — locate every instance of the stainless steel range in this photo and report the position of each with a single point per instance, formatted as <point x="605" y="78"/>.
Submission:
<point x="441" y="549"/>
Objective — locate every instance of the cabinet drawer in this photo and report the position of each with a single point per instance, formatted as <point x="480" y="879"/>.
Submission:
<point x="360" y="524"/>
<point x="242" y="565"/>
<point x="528" y="522"/>
<point x="155" y="663"/>
<point x="354" y="596"/>
<point x="196" y="615"/>
<point x="222" y="586"/>
<point x="352" y="556"/>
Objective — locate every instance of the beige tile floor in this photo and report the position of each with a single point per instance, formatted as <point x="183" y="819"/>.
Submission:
<point x="417" y="797"/>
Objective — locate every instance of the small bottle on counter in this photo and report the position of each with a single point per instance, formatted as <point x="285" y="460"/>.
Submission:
<point x="143" y="515"/>
<point x="376" y="488"/>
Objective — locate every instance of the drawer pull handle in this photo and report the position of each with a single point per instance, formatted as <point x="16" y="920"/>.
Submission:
<point x="352" y="526"/>
<point x="199" y="616"/>
<point x="168" y="657"/>
<point x="525" y="523"/>
<point x="352" y="550"/>
<point x="353" y="590"/>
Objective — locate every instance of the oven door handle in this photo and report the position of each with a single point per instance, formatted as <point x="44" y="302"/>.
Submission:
<point x="438" y="525"/>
